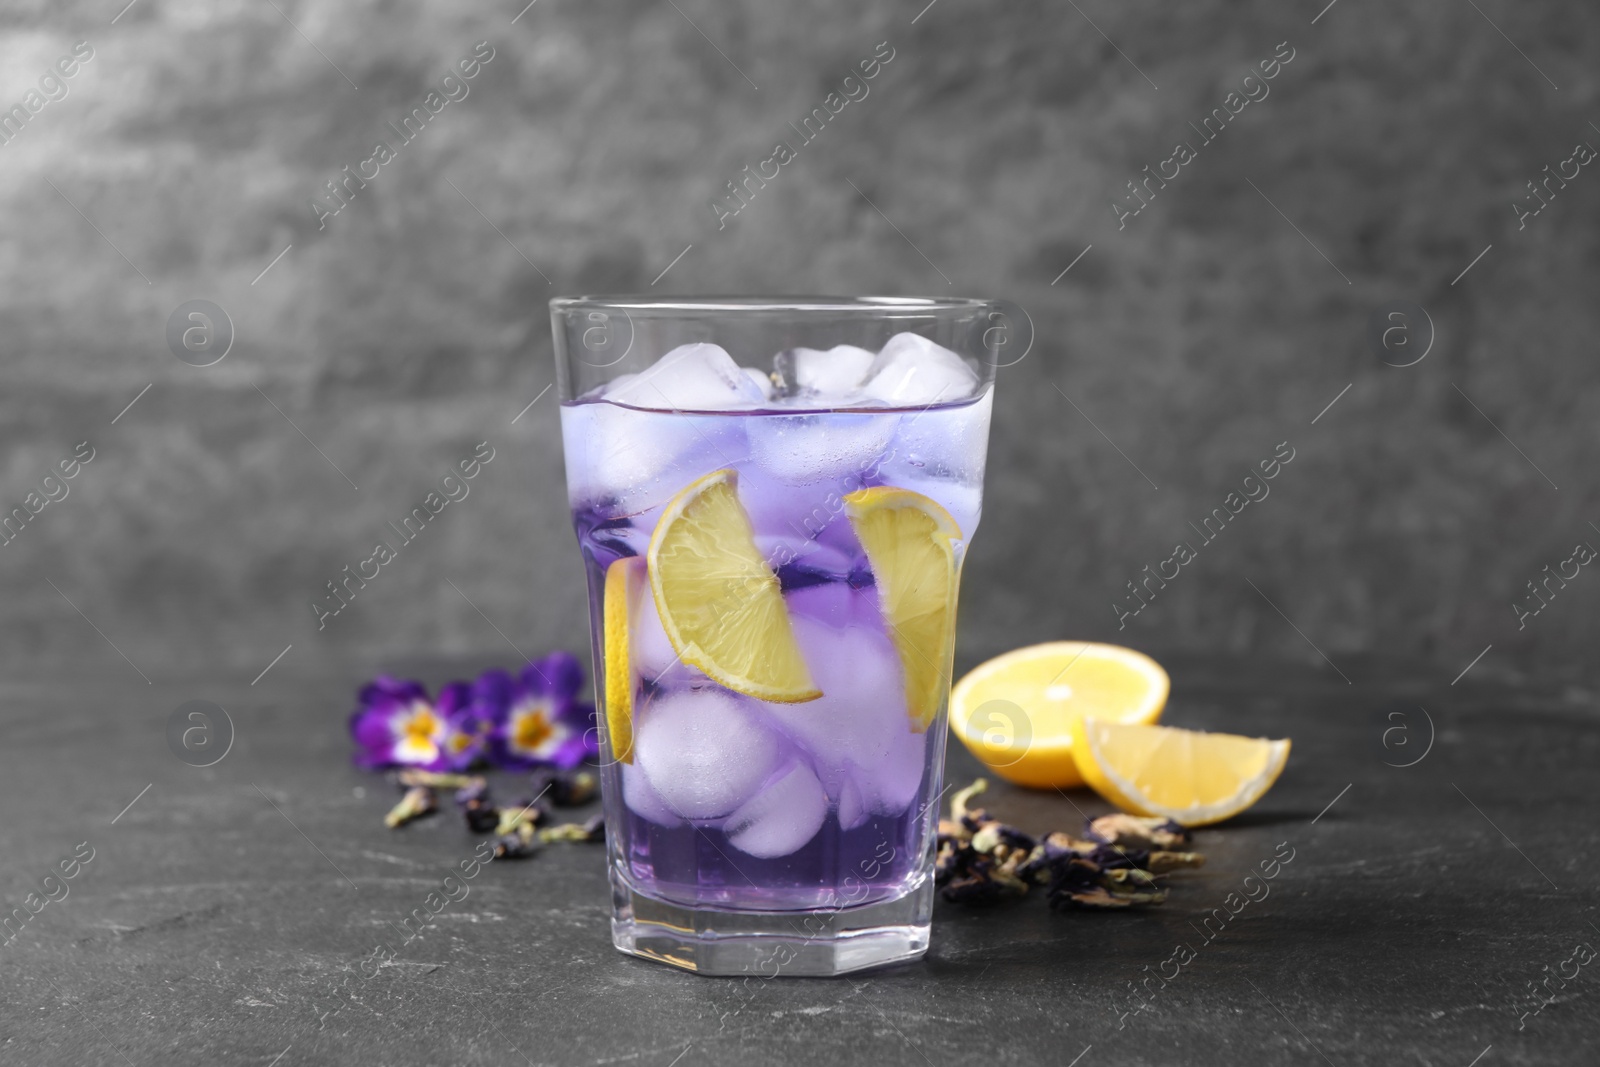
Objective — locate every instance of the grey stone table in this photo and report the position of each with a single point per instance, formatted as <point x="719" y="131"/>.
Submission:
<point x="224" y="914"/>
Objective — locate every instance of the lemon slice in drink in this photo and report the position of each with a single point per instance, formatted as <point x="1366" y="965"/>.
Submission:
<point x="719" y="602"/>
<point x="623" y="577"/>
<point x="1015" y="712"/>
<point x="1190" y="777"/>
<point x="911" y="542"/>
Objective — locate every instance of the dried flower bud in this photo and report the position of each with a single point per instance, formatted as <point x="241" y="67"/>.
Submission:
<point x="1116" y="857"/>
<point x="482" y="820"/>
<point x="418" y="801"/>
<point x="523" y="813"/>
<point x="973" y="889"/>
<point x="519" y="844"/>
<point x="476" y="790"/>
<point x="411" y="776"/>
<point x="1081" y="883"/>
<point x="985" y="839"/>
<point x="948" y="861"/>
<point x="566" y="789"/>
<point x="958" y="803"/>
<point x="1162" y="862"/>
<point x="1137" y="831"/>
<point x="477" y="807"/>
<point x="590" y="830"/>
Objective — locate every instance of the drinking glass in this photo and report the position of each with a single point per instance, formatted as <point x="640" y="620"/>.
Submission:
<point x="773" y="498"/>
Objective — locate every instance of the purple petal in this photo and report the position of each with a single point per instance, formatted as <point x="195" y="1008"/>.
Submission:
<point x="454" y="699"/>
<point x="577" y="714"/>
<point x="573" y="751"/>
<point x="558" y="674"/>
<point x="384" y="689"/>
<point x="493" y="694"/>
<point x="372" y="729"/>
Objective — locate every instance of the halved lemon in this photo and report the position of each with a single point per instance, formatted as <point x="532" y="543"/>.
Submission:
<point x="1015" y="712"/>
<point x="623" y="578"/>
<point x="911" y="544"/>
<point x="1190" y="777"/>
<point x="719" y="602"/>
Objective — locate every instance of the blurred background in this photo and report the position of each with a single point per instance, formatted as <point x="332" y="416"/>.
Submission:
<point x="372" y="348"/>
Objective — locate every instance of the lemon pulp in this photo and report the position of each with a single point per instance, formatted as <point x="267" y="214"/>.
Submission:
<point x="911" y="543"/>
<point x="1015" y="712"/>
<point x="1191" y="777"/>
<point x="719" y="602"/>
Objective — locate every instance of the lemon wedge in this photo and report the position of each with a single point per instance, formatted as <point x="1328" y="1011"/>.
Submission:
<point x="1190" y="777"/>
<point x="719" y="602"/>
<point x="1015" y="712"/>
<point x="911" y="543"/>
<point x="623" y="578"/>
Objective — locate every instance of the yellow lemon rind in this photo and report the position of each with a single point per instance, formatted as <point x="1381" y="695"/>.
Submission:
<point x="621" y="578"/>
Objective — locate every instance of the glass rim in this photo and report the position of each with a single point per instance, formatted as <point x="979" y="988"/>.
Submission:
<point x="666" y="305"/>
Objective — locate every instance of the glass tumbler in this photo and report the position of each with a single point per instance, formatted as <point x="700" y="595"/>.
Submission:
<point x="773" y="498"/>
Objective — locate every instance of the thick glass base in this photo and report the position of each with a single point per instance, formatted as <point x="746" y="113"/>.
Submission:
<point x="772" y="944"/>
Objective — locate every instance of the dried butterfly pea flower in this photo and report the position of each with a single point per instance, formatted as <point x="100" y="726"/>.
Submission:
<point x="973" y="889"/>
<point x="566" y="789"/>
<point x="482" y="820"/>
<point x="1162" y="862"/>
<point x="1138" y="831"/>
<point x="996" y="833"/>
<point x="418" y="801"/>
<point x="524" y="813"/>
<point x="590" y="830"/>
<point x="960" y="813"/>
<point x="948" y="860"/>
<point x="1081" y="883"/>
<point x="477" y="807"/>
<point x="1115" y="857"/>
<point x="980" y="860"/>
<point x="412" y="776"/>
<point x="518" y="844"/>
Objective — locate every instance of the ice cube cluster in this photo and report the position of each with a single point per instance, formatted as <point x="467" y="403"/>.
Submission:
<point x="818" y="417"/>
<point x="767" y="774"/>
<point x="909" y="371"/>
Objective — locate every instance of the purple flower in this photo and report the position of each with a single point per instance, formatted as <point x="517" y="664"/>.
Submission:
<point x="468" y="725"/>
<point x="397" y="725"/>
<point x="544" y="723"/>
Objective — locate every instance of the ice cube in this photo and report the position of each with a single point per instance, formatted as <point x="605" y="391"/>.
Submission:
<point x="942" y="442"/>
<point x="780" y="818"/>
<point x="697" y="377"/>
<point x="636" y="460"/>
<point x="912" y="370"/>
<point x="940" y="454"/>
<point x="861" y="715"/>
<point x="889" y="785"/>
<point x="820" y="448"/>
<point x="650" y="650"/>
<point x="833" y="603"/>
<point x="852" y="809"/>
<point x="762" y="380"/>
<point x="831" y="374"/>
<point x="644" y="801"/>
<point x="704" y="752"/>
<point x="802" y="562"/>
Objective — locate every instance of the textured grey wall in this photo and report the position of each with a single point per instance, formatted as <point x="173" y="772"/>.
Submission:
<point x="586" y="155"/>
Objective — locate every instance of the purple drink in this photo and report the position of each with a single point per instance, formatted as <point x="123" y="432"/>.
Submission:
<point x="775" y="720"/>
